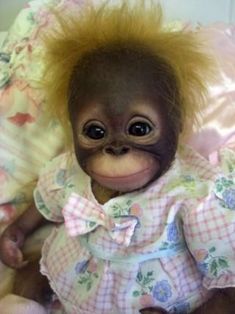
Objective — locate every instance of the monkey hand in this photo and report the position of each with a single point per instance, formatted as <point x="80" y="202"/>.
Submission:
<point x="11" y="242"/>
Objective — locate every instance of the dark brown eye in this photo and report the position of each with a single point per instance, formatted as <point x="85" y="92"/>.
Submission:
<point x="139" y="129"/>
<point x="95" y="132"/>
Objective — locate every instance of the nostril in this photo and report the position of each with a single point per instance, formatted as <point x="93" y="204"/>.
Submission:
<point x="124" y="150"/>
<point x="117" y="150"/>
<point x="109" y="150"/>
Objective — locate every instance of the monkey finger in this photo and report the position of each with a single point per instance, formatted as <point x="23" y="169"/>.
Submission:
<point x="18" y="260"/>
<point x="22" y="264"/>
<point x="14" y="257"/>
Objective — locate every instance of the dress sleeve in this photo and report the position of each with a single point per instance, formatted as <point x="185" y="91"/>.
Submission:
<point x="209" y="228"/>
<point x="49" y="192"/>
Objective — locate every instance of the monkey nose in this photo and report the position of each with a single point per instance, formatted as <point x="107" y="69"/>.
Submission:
<point x="117" y="150"/>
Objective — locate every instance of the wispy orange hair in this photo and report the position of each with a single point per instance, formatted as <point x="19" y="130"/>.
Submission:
<point x="100" y="26"/>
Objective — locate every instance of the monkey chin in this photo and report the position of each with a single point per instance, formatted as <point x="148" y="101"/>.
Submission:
<point x="128" y="183"/>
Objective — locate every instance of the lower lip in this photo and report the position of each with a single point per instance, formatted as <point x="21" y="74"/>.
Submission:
<point x="122" y="182"/>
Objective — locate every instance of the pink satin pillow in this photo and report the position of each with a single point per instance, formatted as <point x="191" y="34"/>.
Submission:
<point x="218" y="125"/>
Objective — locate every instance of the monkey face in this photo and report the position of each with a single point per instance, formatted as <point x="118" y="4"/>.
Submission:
<point x="125" y="123"/>
<point x="116" y="149"/>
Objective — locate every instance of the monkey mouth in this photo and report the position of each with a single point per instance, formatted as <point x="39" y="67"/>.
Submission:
<point x="125" y="183"/>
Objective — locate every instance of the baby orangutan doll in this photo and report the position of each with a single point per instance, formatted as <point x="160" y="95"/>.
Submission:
<point x="143" y="224"/>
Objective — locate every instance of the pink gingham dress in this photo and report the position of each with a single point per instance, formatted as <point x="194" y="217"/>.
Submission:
<point x="166" y="245"/>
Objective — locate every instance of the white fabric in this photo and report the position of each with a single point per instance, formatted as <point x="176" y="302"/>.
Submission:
<point x="13" y="304"/>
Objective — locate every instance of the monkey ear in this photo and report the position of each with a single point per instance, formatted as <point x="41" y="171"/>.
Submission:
<point x="101" y="26"/>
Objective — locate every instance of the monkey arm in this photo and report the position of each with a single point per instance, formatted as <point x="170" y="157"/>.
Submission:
<point x="13" y="238"/>
<point x="223" y="301"/>
<point x="230" y="292"/>
<point x="30" y="220"/>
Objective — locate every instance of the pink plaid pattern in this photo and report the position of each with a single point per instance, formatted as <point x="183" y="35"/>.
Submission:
<point x="208" y="223"/>
<point x="96" y="276"/>
<point x="82" y="216"/>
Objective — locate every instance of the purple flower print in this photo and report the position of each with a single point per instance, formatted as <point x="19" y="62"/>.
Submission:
<point x="162" y="291"/>
<point x="203" y="268"/>
<point x="81" y="267"/>
<point x="172" y="232"/>
<point x="229" y="198"/>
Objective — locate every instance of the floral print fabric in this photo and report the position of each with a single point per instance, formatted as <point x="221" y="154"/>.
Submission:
<point x="182" y="246"/>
